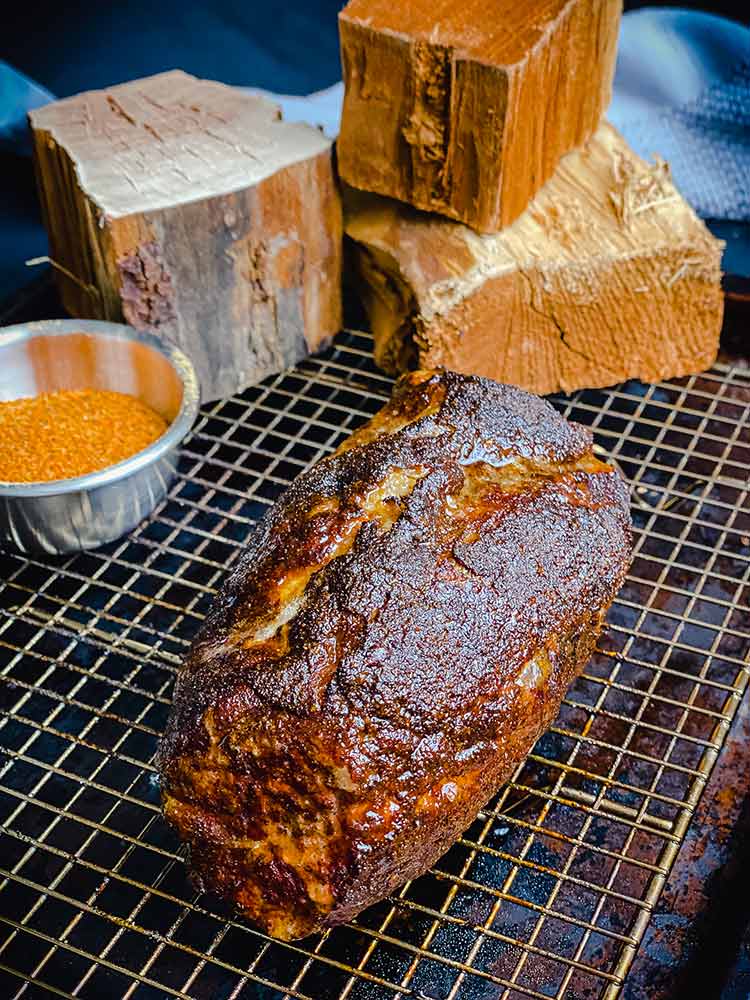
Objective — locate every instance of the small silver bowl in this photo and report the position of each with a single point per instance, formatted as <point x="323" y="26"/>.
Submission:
<point x="68" y="515"/>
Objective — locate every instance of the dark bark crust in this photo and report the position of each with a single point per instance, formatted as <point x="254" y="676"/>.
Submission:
<point x="401" y="630"/>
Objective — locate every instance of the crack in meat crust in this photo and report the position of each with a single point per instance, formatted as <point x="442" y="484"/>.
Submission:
<point x="400" y="631"/>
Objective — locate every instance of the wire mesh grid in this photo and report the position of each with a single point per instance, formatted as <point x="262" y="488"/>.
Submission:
<point x="546" y="895"/>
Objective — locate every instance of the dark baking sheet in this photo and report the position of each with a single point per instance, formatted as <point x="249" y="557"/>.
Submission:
<point x="551" y="890"/>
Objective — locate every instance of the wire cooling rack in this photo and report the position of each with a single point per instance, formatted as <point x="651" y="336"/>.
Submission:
<point x="546" y="895"/>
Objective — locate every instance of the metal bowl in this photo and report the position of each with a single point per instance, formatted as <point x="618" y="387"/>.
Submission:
<point x="68" y="515"/>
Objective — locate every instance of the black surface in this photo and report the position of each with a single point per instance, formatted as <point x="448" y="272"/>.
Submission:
<point x="712" y="961"/>
<point x="738" y="10"/>
<point x="703" y="979"/>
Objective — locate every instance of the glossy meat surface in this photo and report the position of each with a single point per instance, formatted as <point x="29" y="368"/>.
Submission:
<point x="401" y="629"/>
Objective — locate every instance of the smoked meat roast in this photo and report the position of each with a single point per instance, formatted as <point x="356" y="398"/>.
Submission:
<point x="401" y="629"/>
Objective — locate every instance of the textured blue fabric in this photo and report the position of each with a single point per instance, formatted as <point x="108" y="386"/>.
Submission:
<point x="682" y="90"/>
<point x="18" y="95"/>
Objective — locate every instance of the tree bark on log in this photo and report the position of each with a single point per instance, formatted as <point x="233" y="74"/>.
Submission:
<point x="188" y="208"/>
<point x="607" y="275"/>
<point x="465" y="109"/>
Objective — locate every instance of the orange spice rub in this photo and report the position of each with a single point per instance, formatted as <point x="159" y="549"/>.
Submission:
<point x="60" y="435"/>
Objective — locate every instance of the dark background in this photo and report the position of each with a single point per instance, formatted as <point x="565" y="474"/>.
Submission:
<point x="289" y="47"/>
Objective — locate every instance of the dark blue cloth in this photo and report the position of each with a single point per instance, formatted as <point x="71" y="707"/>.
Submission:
<point x="289" y="46"/>
<point x="22" y="234"/>
<point x="682" y="90"/>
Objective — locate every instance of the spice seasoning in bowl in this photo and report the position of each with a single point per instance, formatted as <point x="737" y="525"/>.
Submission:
<point x="60" y="435"/>
<point x="92" y="415"/>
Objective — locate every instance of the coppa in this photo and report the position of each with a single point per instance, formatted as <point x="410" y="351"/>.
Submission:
<point x="60" y="435"/>
<point x="402" y="628"/>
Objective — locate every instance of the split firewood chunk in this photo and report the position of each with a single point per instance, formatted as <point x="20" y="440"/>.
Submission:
<point x="188" y="208"/>
<point x="608" y="275"/>
<point x="465" y="109"/>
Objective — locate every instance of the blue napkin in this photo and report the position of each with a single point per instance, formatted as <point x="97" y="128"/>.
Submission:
<point x="18" y="95"/>
<point x="682" y="90"/>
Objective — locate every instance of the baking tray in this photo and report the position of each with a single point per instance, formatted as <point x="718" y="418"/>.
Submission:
<point x="546" y="895"/>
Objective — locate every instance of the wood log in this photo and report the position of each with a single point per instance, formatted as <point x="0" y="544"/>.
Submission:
<point x="608" y="275"/>
<point x="190" y="209"/>
<point x="465" y="109"/>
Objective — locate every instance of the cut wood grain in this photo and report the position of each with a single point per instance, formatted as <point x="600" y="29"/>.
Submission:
<point x="608" y="275"/>
<point x="466" y="108"/>
<point x="190" y="209"/>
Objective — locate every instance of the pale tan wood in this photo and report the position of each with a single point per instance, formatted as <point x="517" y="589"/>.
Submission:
<point x="608" y="275"/>
<point x="190" y="209"/>
<point x="466" y="108"/>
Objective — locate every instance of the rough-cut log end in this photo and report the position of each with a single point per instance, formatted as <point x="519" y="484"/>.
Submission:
<point x="191" y="209"/>
<point x="466" y="108"/>
<point x="608" y="275"/>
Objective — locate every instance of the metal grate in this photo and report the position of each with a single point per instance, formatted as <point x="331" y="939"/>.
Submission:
<point x="546" y="895"/>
